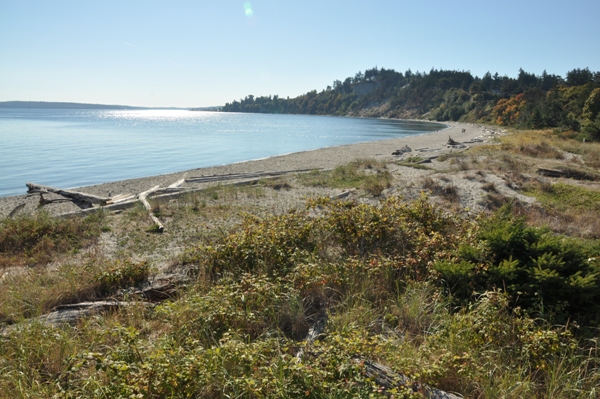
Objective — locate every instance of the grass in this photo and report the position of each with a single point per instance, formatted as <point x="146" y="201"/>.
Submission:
<point x="35" y="240"/>
<point x="415" y="162"/>
<point x="565" y="208"/>
<point x="32" y="293"/>
<point x="237" y="330"/>
<point x="369" y="175"/>
<point x="562" y="197"/>
<point x="264" y="277"/>
<point x="448" y="192"/>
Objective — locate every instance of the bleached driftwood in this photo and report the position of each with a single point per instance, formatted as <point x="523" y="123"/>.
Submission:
<point x="177" y="184"/>
<point x="382" y="375"/>
<point x="343" y="194"/>
<point x="83" y="200"/>
<point x="233" y="176"/>
<point x="120" y="198"/>
<point x="71" y="314"/>
<point x="142" y="197"/>
<point x="552" y="172"/>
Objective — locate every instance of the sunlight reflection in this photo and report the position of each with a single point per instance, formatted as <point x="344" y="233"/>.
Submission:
<point x="160" y="115"/>
<point x="248" y="9"/>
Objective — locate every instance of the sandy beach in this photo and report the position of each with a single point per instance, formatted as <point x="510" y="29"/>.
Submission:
<point x="430" y="144"/>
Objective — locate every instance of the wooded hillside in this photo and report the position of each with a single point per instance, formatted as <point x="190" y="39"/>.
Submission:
<point x="528" y="101"/>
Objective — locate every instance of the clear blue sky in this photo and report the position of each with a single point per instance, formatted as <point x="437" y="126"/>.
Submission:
<point x="201" y="53"/>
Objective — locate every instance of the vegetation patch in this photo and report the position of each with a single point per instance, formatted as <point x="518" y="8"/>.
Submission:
<point x="380" y="274"/>
<point x="413" y="162"/>
<point x="36" y="240"/>
<point x="541" y="272"/>
<point x="31" y="293"/>
<point x="366" y="174"/>
<point x="562" y="197"/>
<point x="447" y="192"/>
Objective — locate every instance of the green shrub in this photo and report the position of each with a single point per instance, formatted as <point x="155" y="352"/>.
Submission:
<point x="123" y="274"/>
<point x="554" y="275"/>
<point x="414" y="230"/>
<point x="269" y="245"/>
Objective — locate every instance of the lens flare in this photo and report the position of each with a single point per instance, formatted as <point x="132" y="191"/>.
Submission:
<point x="248" y="9"/>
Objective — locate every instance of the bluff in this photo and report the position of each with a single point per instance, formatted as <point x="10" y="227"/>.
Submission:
<point x="571" y="103"/>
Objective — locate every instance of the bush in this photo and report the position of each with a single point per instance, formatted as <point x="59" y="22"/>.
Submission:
<point x="540" y="271"/>
<point x="122" y="274"/>
<point x="269" y="245"/>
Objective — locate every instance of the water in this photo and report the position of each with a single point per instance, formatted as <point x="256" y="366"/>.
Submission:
<point x="73" y="148"/>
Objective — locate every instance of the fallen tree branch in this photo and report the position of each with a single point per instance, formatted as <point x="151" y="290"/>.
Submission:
<point x="44" y="201"/>
<point x="120" y="198"/>
<point x="73" y="313"/>
<point x="384" y="376"/>
<point x="178" y="183"/>
<point x="315" y="332"/>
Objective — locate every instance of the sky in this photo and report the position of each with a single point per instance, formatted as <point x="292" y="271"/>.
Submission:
<point x="206" y="53"/>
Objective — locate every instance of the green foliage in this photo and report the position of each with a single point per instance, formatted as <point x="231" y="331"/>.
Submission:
<point x="122" y="274"/>
<point x="487" y="335"/>
<point x="373" y="269"/>
<point x="542" y="272"/>
<point x="35" y="240"/>
<point x="270" y="245"/>
<point x="393" y="229"/>
<point x="528" y="101"/>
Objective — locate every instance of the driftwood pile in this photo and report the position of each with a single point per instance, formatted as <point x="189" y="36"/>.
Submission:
<point x="91" y="203"/>
<point x="87" y="201"/>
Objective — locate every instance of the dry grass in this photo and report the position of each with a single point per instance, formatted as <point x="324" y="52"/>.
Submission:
<point x="585" y="224"/>
<point x="448" y="192"/>
<point x="367" y="174"/>
<point x="30" y="293"/>
<point x="37" y="240"/>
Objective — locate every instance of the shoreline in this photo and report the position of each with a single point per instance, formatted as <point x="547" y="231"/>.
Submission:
<point x="325" y="158"/>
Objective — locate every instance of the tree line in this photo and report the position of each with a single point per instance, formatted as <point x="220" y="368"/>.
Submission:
<point x="534" y="101"/>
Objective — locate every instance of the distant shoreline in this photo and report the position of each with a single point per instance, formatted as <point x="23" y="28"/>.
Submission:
<point x="90" y="106"/>
<point x="326" y="158"/>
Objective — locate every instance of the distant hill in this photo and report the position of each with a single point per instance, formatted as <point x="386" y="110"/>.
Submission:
<point x="63" y="105"/>
<point x="528" y="101"/>
<point x="214" y="108"/>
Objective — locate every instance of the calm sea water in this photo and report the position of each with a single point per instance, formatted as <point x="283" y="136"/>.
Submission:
<point x="73" y="148"/>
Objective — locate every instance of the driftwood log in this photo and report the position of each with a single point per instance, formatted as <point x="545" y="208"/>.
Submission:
<point x="142" y="197"/>
<point x="73" y="313"/>
<point x="552" y="172"/>
<point x="236" y="176"/>
<point x="16" y="210"/>
<point x="451" y="141"/>
<point x="83" y="200"/>
<point x="160" y="289"/>
<point x="124" y="201"/>
<point x="388" y="379"/>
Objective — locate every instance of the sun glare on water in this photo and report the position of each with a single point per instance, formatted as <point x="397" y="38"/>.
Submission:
<point x="159" y="115"/>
